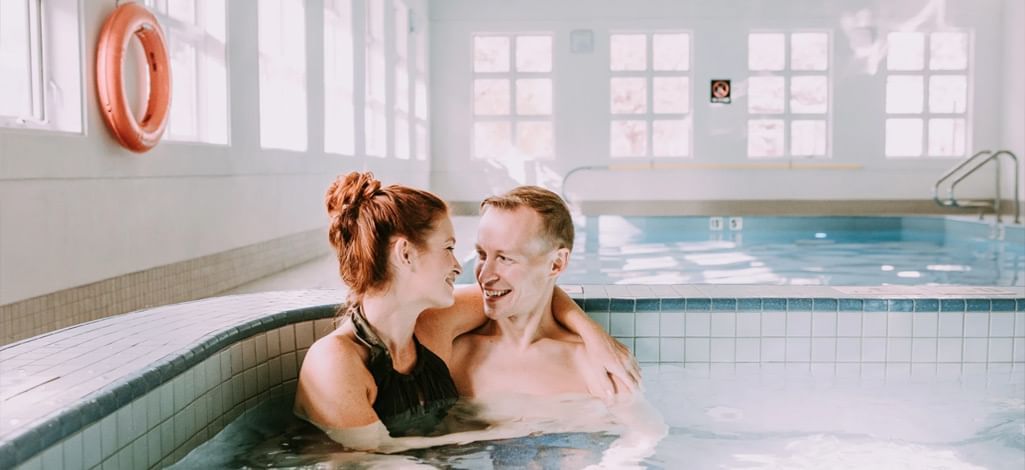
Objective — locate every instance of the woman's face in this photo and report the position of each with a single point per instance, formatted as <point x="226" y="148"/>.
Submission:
<point x="437" y="266"/>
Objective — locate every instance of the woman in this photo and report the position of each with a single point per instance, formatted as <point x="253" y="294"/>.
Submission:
<point x="371" y="381"/>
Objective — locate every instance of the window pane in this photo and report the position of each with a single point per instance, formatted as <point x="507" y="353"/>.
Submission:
<point x="491" y="97"/>
<point x="903" y="137"/>
<point x="629" y="95"/>
<point x="339" y="112"/>
<point x="947" y="93"/>
<point x="374" y="131"/>
<point x="401" y="137"/>
<point x="490" y="54"/>
<point x="491" y="139"/>
<point x="421" y="99"/>
<point x="628" y="138"/>
<point x="809" y="51"/>
<point x="904" y="94"/>
<point x="765" y="51"/>
<point x="671" y="51"/>
<point x="948" y="51"/>
<point x="534" y="139"/>
<point x="765" y="138"/>
<point x="534" y="96"/>
<point x="906" y="51"/>
<point x="670" y="138"/>
<point x="181" y="124"/>
<point x="808" y="138"/>
<point x="534" y="54"/>
<point x="808" y="94"/>
<point x="946" y="137"/>
<point x="672" y="94"/>
<point x="628" y="52"/>
<point x="15" y="60"/>
<point x="281" y="42"/>
<point x="182" y="10"/>
<point x="401" y="30"/>
<point x="765" y="95"/>
<point x="421" y="142"/>
<point x="401" y="88"/>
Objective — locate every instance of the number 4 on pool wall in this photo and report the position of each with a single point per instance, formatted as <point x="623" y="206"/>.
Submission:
<point x="736" y="223"/>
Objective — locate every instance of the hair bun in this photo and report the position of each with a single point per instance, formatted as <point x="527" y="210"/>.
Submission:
<point x="347" y="193"/>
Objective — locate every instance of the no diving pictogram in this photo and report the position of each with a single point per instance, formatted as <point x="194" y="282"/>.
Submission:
<point x="720" y="91"/>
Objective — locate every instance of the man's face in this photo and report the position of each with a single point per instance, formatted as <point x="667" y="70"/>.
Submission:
<point x="516" y="267"/>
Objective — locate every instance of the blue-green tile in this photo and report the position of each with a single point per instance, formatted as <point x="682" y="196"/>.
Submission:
<point x="952" y="305"/>
<point x="1002" y="305"/>
<point x="799" y="305"/>
<point x="673" y="305"/>
<point x="621" y="305"/>
<point x="875" y="305"/>
<point x="749" y="305"/>
<point x="902" y="305"/>
<point x="978" y="305"/>
<point x="596" y="305"/>
<point x="724" y="305"/>
<point x="698" y="305"/>
<point x="824" y="305"/>
<point x="927" y="305"/>
<point x="851" y="305"/>
<point x="775" y="305"/>
<point x="647" y="305"/>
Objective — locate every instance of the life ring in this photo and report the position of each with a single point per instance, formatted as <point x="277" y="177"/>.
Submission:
<point x="127" y="21"/>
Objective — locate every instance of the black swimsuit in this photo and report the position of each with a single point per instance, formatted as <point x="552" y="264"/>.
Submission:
<point x="407" y="404"/>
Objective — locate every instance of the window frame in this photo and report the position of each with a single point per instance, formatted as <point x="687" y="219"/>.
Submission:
<point x="787" y="116"/>
<point x="926" y="115"/>
<point x="649" y="116"/>
<point x="38" y="71"/>
<point x="511" y="76"/>
<point x="201" y="40"/>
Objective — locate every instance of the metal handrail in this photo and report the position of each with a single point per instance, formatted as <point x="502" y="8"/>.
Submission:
<point x="996" y="200"/>
<point x="949" y="173"/>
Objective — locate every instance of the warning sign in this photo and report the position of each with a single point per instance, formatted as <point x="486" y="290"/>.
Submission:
<point x="721" y="91"/>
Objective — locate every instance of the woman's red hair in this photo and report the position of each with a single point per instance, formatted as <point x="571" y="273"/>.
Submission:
<point x="366" y="217"/>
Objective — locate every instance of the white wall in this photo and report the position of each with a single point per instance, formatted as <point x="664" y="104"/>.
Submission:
<point x="719" y="51"/>
<point x="1013" y="129"/>
<point x="77" y="208"/>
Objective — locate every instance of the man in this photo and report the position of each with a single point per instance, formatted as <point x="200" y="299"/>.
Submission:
<point x="524" y="241"/>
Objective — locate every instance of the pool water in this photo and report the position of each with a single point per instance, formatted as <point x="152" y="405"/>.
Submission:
<point x="849" y="251"/>
<point x="732" y="416"/>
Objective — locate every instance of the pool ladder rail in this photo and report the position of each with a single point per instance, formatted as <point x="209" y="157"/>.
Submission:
<point x="972" y="164"/>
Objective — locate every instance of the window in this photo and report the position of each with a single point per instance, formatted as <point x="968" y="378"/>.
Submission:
<point x="21" y="59"/>
<point x="375" y="111"/>
<point x="649" y="95"/>
<point x="512" y="103"/>
<point x="40" y="65"/>
<point x="788" y="95"/>
<point x="927" y="94"/>
<point x="420" y="95"/>
<point x="282" y="46"/>
<point x="401" y="107"/>
<point x="196" y="41"/>
<point x="339" y="109"/>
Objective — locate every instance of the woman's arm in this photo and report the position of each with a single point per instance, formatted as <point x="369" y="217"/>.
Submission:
<point x="334" y="388"/>
<point x="615" y="359"/>
<point x="438" y="328"/>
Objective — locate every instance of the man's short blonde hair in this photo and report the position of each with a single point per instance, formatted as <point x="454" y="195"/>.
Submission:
<point x="556" y="222"/>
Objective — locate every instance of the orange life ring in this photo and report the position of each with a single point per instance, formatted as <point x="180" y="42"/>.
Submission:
<point x="128" y="20"/>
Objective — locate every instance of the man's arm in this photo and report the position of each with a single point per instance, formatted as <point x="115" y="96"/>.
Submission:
<point x="616" y="360"/>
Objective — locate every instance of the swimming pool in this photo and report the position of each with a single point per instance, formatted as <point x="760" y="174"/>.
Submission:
<point x="785" y="416"/>
<point x="841" y="251"/>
